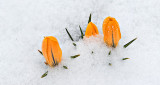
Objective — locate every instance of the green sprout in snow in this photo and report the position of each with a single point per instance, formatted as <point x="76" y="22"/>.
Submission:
<point x="40" y="52"/>
<point x="69" y="34"/>
<point x="75" y="56"/>
<point x="126" y="45"/>
<point x="89" y="20"/>
<point x="45" y="74"/>
<point x="65" y="67"/>
<point x="125" y="58"/>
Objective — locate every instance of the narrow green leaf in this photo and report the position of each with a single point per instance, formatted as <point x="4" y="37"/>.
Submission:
<point x="45" y="74"/>
<point x="110" y="64"/>
<point x="69" y="34"/>
<point x="89" y="20"/>
<point x="81" y="32"/>
<point x="126" y="45"/>
<point x="92" y="52"/>
<point x="125" y="58"/>
<point x="65" y="67"/>
<point x="75" y="56"/>
<point x="109" y="52"/>
<point x="40" y="52"/>
<point x="74" y="44"/>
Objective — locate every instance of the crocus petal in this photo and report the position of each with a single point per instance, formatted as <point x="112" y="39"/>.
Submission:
<point x="91" y="30"/>
<point x="51" y="51"/>
<point x="111" y="31"/>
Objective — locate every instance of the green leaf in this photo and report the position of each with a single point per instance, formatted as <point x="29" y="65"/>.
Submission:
<point x="45" y="74"/>
<point x="65" y="67"/>
<point x="109" y="52"/>
<point x="40" y="52"/>
<point x="69" y="34"/>
<point x="89" y="20"/>
<point x="81" y="32"/>
<point x="110" y="64"/>
<point x="75" y="56"/>
<point x="92" y="52"/>
<point x="126" y="45"/>
<point x="125" y="58"/>
<point x="74" y="44"/>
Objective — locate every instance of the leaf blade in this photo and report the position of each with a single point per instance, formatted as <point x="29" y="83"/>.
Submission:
<point x="125" y="58"/>
<point x="65" y="67"/>
<point x="75" y="44"/>
<point x="81" y="32"/>
<point x="40" y="52"/>
<point x="75" y="56"/>
<point x="89" y="20"/>
<point x="45" y="74"/>
<point x="69" y="34"/>
<point x="126" y="45"/>
<point x="109" y="52"/>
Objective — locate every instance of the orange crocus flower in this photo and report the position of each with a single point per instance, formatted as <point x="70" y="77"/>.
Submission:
<point x="51" y="51"/>
<point x="111" y="31"/>
<point x="91" y="30"/>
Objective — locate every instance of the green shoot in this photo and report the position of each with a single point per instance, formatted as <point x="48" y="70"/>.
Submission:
<point x="69" y="34"/>
<point x="75" y="56"/>
<point x="126" y="45"/>
<point x="125" y="58"/>
<point x="89" y="20"/>
<point x="45" y="74"/>
<point x="109" y="52"/>
<point x="74" y="44"/>
<point x="40" y="52"/>
<point x="109" y="64"/>
<point x="81" y="32"/>
<point x="92" y="52"/>
<point x="65" y="67"/>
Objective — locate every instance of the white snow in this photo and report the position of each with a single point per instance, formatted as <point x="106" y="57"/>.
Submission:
<point x="24" y="23"/>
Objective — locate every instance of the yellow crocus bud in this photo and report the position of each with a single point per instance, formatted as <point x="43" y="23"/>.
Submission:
<point x="51" y="51"/>
<point x="91" y="30"/>
<point x="111" y="31"/>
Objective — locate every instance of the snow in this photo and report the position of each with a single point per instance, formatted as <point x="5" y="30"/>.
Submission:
<point x="24" y="23"/>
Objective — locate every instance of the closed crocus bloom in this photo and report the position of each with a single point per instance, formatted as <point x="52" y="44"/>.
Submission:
<point x="51" y="51"/>
<point x="91" y="30"/>
<point x="111" y="31"/>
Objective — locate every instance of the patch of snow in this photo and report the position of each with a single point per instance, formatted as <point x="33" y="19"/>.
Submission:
<point x="23" y="24"/>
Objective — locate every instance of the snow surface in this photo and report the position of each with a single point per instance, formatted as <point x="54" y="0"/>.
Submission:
<point x="24" y="23"/>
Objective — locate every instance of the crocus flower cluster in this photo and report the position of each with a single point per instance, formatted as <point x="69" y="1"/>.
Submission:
<point x="53" y="53"/>
<point x="111" y="31"/>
